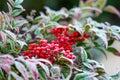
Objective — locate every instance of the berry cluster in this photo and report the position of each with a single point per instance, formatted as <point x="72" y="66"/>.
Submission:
<point x="49" y="51"/>
<point x="67" y="39"/>
<point x="62" y="46"/>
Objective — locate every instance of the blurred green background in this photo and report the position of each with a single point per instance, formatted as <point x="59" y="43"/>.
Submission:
<point x="58" y="4"/>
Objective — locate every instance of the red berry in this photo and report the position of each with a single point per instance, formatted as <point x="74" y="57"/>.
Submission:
<point x="85" y="35"/>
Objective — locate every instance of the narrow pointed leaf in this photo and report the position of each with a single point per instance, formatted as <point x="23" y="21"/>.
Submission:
<point x="17" y="2"/>
<point x="5" y="67"/>
<point x="22" y="69"/>
<point x="7" y="59"/>
<point x="11" y="35"/>
<point x="112" y="9"/>
<point x="33" y="69"/>
<point x="45" y="68"/>
<point x="17" y="77"/>
<point x="21" y="43"/>
<point x="3" y="37"/>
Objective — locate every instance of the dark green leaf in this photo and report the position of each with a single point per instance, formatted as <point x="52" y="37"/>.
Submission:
<point x="110" y="42"/>
<point x="42" y="74"/>
<point x="112" y="50"/>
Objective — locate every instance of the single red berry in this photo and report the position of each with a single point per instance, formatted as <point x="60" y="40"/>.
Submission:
<point x="38" y="65"/>
<point x="85" y="35"/>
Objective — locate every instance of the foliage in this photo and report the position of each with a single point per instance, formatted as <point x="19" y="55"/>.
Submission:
<point x="56" y="45"/>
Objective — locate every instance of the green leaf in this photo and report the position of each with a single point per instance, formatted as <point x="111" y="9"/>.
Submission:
<point x="21" y="43"/>
<point x="20" y="7"/>
<point x="88" y="65"/>
<point x="63" y="59"/>
<point x="113" y="50"/>
<point x="28" y="36"/>
<point x="117" y="36"/>
<point x="1" y="74"/>
<point x="78" y="26"/>
<point x="100" y="3"/>
<point x="81" y="76"/>
<point x="115" y="31"/>
<point x="55" y="18"/>
<point x="110" y="42"/>
<point x="22" y="69"/>
<point x="44" y="60"/>
<point x="102" y="50"/>
<point x="19" y="23"/>
<point x="18" y="2"/>
<point x="83" y="54"/>
<point x="38" y="34"/>
<point x="11" y="35"/>
<point x="16" y="12"/>
<point x="96" y="43"/>
<point x="81" y="44"/>
<point x="37" y="19"/>
<point x="33" y="69"/>
<point x="12" y="44"/>
<point x="116" y="76"/>
<point x="65" y="72"/>
<point x="3" y="36"/>
<point x="42" y="74"/>
<point x="45" y="68"/>
<point x="103" y="37"/>
<point x="84" y="76"/>
<point x="17" y="77"/>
